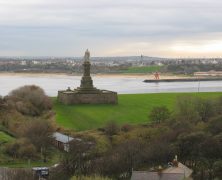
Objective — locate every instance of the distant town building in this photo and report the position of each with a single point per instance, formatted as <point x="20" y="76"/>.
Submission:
<point x="23" y="63"/>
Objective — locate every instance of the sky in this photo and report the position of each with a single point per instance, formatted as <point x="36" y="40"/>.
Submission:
<point x="163" y="28"/>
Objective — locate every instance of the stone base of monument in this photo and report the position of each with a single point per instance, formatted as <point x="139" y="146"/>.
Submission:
<point x="87" y="93"/>
<point x="80" y="96"/>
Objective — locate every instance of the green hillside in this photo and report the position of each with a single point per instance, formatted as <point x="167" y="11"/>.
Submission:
<point x="4" y="138"/>
<point x="133" y="109"/>
<point x="143" y="69"/>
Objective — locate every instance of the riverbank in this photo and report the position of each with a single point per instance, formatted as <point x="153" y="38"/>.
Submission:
<point x="119" y="75"/>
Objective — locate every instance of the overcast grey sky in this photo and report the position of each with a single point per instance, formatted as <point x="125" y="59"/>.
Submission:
<point x="166" y="28"/>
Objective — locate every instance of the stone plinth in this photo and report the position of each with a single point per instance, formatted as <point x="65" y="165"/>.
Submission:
<point x="74" y="97"/>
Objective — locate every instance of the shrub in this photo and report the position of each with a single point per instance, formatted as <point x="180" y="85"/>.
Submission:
<point x="217" y="167"/>
<point x="29" y="100"/>
<point x="111" y="128"/>
<point x="21" y="148"/>
<point x="126" y="128"/>
<point x="159" y="114"/>
<point x="39" y="133"/>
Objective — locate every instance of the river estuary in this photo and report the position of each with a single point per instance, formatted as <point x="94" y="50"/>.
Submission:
<point x="123" y="85"/>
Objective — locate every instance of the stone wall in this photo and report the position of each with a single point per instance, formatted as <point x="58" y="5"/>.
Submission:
<point x="71" y="97"/>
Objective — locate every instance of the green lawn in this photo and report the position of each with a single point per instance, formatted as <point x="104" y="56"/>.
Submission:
<point x="143" y="69"/>
<point x="26" y="164"/>
<point x="8" y="161"/>
<point x="4" y="138"/>
<point x="131" y="109"/>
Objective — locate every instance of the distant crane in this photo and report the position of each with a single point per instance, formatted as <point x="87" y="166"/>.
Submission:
<point x="156" y="76"/>
<point x="141" y="59"/>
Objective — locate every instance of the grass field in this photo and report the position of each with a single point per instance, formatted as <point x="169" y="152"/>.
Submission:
<point x="143" y="69"/>
<point x="4" y="138"/>
<point x="132" y="109"/>
<point x="8" y="161"/>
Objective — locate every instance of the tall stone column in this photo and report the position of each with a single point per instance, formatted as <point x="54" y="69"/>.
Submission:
<point x="86" y="81"/>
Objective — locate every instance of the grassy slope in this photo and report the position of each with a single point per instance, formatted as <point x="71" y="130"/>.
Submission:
<point x="143" y="69"/>
<point x="8" y="161"/>
<point x="4" y="138"/>
<point x="131" y="109"/>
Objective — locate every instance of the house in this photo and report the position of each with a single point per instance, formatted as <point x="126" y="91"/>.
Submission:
<point x="62" y="141"/>
<point x="178" y="172"/>
<point x="179" y="169"/>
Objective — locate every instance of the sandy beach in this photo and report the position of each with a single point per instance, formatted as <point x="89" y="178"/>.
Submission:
<point x="145" y="76"/>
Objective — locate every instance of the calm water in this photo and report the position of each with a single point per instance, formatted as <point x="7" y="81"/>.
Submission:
<point x="123" y="85"/>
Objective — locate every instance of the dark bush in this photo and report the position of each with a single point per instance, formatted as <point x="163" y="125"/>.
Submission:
<point x="29" y="100"/>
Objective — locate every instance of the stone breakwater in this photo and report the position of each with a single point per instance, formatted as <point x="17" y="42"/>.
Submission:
<point x="182" y="80"/>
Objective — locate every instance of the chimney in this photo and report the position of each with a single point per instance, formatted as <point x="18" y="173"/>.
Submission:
<point x="175" y="161"/>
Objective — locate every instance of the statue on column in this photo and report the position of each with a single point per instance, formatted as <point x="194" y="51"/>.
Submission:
<point x="87" y="55"/>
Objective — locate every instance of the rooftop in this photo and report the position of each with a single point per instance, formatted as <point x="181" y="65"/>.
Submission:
<point x="179" y="172"/>
<point x="62" y="137"/>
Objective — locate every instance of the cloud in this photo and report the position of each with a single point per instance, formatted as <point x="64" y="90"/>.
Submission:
<point x="55" y="27"/>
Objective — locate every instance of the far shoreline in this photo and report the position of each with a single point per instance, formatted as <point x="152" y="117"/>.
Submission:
<point x="97" y="75"/>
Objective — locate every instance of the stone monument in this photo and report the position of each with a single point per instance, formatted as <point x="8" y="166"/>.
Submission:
<point x="87" y="93"/>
